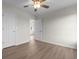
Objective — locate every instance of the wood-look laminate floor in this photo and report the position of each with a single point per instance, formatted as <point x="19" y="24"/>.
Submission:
<point x="39" y="50"/>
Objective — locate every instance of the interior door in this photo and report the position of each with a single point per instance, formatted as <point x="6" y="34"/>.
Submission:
<point x="8" y="29"/>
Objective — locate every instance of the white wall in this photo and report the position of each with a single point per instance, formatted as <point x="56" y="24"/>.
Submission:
<point x="15" y="26"/>
<point x="22" y="27"/>
<point x="60" y="27"/>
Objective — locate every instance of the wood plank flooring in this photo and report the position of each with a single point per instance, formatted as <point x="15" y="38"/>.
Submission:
<point x="39" y="50"/>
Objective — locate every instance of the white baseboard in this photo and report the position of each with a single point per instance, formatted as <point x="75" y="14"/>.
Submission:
<point x="10" y="44"/>
<point x="19" y="43"/>
<point x="60" y="44"/>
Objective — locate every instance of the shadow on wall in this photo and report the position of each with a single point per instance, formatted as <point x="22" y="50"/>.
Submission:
<point x="61" y="12"/>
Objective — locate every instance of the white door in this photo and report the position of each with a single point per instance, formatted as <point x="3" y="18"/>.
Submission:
<point x="8" y="29"/>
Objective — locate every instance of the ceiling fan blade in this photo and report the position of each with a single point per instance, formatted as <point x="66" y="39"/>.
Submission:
<point x="42" y="0"/>
<point x="26" y="6"/>
<point x="45" y="6"/>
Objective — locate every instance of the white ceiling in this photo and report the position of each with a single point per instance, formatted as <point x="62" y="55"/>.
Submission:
<point x="54" y="5"/>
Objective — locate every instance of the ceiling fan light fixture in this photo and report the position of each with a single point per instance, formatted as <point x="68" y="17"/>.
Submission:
<point x="37" y="4"/>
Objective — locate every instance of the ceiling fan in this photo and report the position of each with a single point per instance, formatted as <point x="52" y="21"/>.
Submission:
<point x="37" y="4"/>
